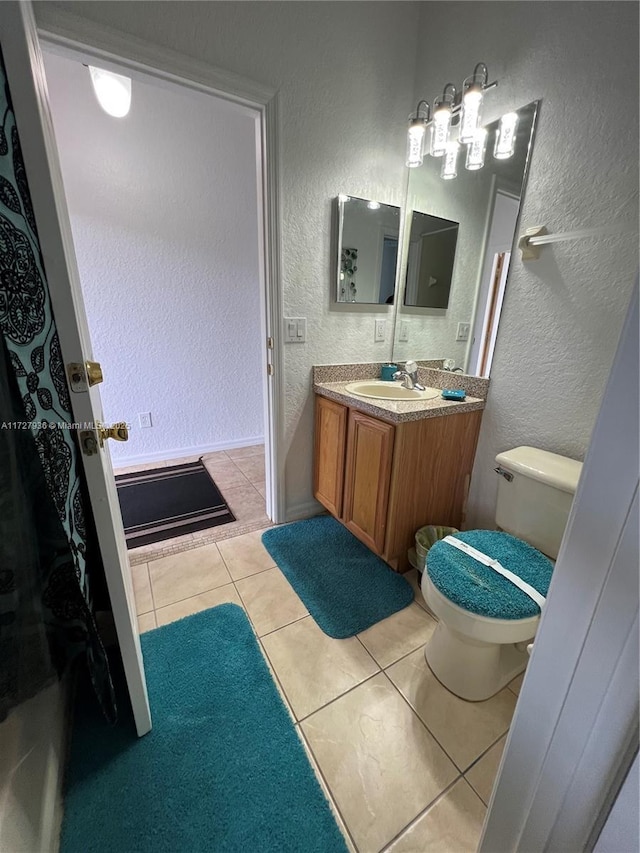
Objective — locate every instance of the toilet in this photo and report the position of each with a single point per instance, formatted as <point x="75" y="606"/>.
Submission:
<point x="485" y="621"/>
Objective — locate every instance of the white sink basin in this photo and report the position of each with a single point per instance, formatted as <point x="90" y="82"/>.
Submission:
<point x="379" y="390"/>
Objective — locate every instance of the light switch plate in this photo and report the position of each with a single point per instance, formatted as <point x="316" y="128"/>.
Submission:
<point x="463" y="331"/>
<point x="295" y="330"/>
<point x="144" y="419"/>
<point x="380" y="330"/>
<point x="404" y="330"/>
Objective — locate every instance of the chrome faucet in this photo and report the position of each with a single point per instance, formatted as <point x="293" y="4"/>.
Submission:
<point x="409" y="376"/>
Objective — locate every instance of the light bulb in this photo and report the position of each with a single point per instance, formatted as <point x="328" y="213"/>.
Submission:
<point x="506" y="137"/>
<point x="476" y="149"/>
<point x="440" y="131"/>
<point x="471" y="110"/>
<point x="450" y="161"/>
<point x="441" y="125"/>
<point x="373" y="205"/>
<point x="113" y="91"/>
<point x="415" y="143"/>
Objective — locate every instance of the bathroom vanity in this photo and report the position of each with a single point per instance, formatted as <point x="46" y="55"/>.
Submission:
<point x="385" y="468"/>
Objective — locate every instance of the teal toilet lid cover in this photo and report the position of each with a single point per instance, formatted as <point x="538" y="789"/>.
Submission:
<point x="478" y="588"/>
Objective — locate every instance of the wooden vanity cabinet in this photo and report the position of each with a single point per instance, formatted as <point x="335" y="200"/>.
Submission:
<point x="368" y="478"/>
<point x="330" y="444"/>
<point x="383" y="481"/>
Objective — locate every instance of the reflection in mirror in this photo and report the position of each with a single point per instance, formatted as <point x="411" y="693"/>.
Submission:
<point x="367" y="250"/>
<point x="432" y="251"/>
<point x="484" y="203"/>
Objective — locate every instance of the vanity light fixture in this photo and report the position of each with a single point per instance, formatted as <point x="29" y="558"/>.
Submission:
<point x="450" y="161"/>
<point x="373" y="205"/>
<point x="476" y="149"/>
<point x="506" y="137"/>
<point x="472" y="97"/>
<point x="454" y="110"/>
<point x="442" y="113"/>
<point x="113" y="91"/>
<point x="415" y="134"/>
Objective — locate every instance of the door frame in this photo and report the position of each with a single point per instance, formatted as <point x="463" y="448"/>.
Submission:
<point x="63" y="30"/>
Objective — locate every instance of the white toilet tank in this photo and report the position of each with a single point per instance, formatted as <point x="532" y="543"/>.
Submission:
<point x="535" y="492"/>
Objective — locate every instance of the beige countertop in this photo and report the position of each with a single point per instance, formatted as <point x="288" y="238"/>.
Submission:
<point x="396" y="411"/>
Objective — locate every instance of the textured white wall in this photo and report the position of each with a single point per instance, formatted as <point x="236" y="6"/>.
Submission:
<point x="344" y="72"/>
<point x="563" y="313"/>
<point x="164" y="215"/>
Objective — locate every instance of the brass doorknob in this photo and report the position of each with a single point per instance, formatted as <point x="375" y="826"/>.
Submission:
<point x="94" y="373"/>
<point x="119" y="432"/>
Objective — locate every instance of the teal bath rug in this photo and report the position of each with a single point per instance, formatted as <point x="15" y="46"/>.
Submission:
<point x="343" y="585"/>
<point x="222" y="770"/>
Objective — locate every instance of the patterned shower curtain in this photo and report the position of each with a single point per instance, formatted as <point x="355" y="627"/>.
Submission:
<point x="44" y="584"/>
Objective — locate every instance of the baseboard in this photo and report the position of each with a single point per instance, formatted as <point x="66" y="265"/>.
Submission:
<point x="304" y="510"/>
<point x="181" y="452"/>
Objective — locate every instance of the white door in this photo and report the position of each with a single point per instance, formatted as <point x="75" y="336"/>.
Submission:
<point x="27" y="84"/>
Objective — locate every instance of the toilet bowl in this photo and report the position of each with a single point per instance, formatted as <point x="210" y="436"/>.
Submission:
<point x="484" y="621"/>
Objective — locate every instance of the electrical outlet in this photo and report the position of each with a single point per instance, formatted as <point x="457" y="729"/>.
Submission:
<point x="144" y="419"/>
<point x="380" y="330"/>
<point x="295" y="330"/>
<point x="463" y="331"/>
<point x="404" y="330"/>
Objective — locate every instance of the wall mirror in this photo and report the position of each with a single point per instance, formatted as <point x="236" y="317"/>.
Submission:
<point x="431" y="255"/>
<point x="367" y="249"/>
<point x="466" y="264"/>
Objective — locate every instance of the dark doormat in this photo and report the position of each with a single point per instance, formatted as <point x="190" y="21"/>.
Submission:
<point x="166" y="502"/>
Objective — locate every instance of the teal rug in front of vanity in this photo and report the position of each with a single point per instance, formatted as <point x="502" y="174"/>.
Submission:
<point x="344" y="586"/>
<point x="221" y="771"/>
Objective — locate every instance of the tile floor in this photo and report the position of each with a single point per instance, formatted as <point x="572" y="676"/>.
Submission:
<point x="406" y="766"/>
<point x="239" y="474"/>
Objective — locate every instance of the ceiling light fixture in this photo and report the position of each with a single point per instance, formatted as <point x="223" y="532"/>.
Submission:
<point x="113" y="91"/>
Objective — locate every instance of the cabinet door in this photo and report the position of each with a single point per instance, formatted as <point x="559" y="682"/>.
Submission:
<point x="432" y="464"/>
<point x="369" y="452"/>
<point x="330" y="440"/>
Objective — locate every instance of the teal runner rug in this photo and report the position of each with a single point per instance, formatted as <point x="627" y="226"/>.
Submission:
<point x="222" y="770"/>
<point x="344" y="586"/>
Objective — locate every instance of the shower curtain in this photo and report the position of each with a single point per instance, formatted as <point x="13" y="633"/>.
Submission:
<point x="46" y="618"/>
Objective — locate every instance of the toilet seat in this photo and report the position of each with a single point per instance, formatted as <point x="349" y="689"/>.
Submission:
<point x="485" y="629"/>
